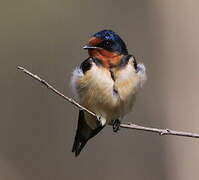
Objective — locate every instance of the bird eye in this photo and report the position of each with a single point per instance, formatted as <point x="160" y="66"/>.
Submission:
<point x="107" y="43"/>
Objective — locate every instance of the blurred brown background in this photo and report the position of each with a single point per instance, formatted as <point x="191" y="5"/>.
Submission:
<point x="37" y="127"/>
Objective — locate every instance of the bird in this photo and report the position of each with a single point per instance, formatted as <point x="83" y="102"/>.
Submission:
<point x="106" y="83"/>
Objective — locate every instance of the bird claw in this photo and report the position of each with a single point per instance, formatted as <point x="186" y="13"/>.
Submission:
<point x="116" y="125"/>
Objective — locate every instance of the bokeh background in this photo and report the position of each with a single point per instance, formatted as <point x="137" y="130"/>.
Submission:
<point x="37" y="127"/>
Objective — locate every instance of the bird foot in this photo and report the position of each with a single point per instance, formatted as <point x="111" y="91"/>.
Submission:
<point x="116" y="125"/>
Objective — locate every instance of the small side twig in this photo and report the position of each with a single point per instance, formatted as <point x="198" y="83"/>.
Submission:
<point x="128" y="125"/>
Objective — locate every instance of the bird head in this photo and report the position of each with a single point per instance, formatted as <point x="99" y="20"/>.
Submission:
<point x="106" y="46"/>
<point x="108" y="41"/>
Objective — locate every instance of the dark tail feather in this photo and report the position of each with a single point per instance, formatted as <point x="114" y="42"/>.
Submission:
<point x="83" y="134"/>
<point x="80" y="140"/>
<point x="78" y="146"/>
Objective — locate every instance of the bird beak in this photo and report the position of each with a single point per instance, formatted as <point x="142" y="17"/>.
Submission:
<point x="89" y="47"/>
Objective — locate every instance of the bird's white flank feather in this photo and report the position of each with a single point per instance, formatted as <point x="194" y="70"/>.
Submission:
<point x="141" y="71"/>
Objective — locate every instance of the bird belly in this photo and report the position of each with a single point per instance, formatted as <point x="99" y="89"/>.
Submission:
<point x="105" y="97"/>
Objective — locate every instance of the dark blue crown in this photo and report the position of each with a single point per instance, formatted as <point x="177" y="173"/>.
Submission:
<point x="111" y="35"/>
<point x="107" y="35"/>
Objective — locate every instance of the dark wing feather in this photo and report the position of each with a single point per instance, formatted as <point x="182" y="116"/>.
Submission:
<point x="86" y="65"/>
<point x="83" y="133"/>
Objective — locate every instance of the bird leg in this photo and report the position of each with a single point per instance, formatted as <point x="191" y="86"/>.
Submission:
<point x="116" y="125"/>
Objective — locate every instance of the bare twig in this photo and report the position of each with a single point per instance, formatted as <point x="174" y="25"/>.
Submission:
<point x="128" y="125"/>
<point x="161" y="132"/>
<point x="54" y="90"/>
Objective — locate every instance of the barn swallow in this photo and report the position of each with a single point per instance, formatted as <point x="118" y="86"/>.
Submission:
<point x="106" y="83"/>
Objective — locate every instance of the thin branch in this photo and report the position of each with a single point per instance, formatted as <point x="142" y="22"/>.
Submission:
<point x="128" y="125"/>
<point x="34" y="76"/>
<point x="161" y="132"/>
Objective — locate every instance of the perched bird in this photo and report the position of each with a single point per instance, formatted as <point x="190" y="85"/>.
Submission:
<point x="106" y="83"/>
